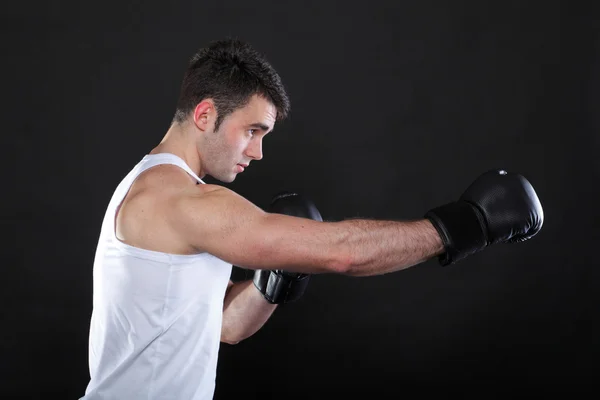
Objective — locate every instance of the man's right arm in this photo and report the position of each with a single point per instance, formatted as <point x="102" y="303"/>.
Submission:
<point x="225" y="224"/>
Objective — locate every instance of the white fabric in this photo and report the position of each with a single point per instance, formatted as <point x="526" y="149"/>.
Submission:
<point x="156" y="321"/>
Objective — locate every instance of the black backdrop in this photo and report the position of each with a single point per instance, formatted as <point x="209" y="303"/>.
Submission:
<point x="396" y="107"/>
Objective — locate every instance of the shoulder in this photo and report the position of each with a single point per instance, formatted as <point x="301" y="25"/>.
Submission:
<point x="169" y="181"/>
<point x="159" y="206"/>
<point x="164" y="178"/>
<point x="173" y="192"/>
<point x="164" y="190"/>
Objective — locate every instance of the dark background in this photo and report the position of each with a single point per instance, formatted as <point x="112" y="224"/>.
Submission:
<point x="396" y="108"/>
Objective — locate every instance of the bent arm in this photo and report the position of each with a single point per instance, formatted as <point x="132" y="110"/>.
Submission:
<point x="245" y="311"/>
<point x="230" y="227"/>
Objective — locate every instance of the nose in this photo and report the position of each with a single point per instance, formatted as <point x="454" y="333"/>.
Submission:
<point x="254" y="149"/>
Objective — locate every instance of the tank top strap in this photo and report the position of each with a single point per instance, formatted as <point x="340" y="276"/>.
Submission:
<point x="152" y="160"/>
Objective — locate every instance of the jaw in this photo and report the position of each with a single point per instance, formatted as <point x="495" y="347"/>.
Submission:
<point x="225" y="177"/>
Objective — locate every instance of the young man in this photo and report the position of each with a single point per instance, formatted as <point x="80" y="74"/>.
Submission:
<point x="163" y="300"/>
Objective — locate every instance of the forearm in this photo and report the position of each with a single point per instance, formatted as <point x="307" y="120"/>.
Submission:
<point x="372" y="247"/>
<point x="245" y="311"/>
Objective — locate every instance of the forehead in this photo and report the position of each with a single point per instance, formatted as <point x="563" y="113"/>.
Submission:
<point x="258" y="110"/>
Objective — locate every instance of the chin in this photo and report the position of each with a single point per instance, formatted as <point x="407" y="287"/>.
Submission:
<point x="227" y="178"/>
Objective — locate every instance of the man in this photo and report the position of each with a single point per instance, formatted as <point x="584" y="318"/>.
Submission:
<point x="163" y="300"/>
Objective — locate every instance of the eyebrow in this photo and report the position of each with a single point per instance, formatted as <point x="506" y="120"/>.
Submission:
<point x="260" y="126"/>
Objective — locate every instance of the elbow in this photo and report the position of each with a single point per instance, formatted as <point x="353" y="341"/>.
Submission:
<point x="229" y="336"/>
<point x="230" y="339"/>
<point x="342" y="257"/>
<point x="341" y="264"/>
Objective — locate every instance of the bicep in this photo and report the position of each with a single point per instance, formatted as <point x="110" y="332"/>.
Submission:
<point x="232" y="228"/>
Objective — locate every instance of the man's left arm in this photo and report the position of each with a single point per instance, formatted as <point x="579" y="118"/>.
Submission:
<point x="245" y="311"/>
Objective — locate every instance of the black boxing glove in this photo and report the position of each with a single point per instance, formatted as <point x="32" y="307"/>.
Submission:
<point x="498" y="207"/>
<point x="278" y="286"/>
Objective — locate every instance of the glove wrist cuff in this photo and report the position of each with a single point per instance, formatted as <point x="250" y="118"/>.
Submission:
<point x="461" y="229"/>
<point x="280" y="288"/>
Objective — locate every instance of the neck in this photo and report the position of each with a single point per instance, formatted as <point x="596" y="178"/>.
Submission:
<point x="180" y="140"/>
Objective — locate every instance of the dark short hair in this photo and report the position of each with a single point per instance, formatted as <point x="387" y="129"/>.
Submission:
<point x="230" y="72"/>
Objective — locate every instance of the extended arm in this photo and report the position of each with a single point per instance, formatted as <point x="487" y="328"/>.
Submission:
<point x="232" y="228"/>
<point x="498" y="207"/>
<point x="237" y="231"/>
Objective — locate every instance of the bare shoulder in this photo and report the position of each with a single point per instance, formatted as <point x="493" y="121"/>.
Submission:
<point x="145" y="214"/>
<point x="163" y="179"/>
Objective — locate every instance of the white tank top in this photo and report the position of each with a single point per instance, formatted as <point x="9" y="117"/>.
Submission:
<point x="156" y="321"/>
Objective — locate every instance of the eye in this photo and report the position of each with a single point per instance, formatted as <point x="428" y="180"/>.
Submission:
<point x="251" y="131"/>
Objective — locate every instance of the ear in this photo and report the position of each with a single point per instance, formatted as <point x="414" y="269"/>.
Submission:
<point x="204" y="114"/>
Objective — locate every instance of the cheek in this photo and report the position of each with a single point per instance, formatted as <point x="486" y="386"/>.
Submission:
<point x="240" y="145"/>
<point x="234" y="139"/>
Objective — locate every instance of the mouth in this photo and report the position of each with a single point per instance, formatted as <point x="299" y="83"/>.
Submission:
<point x="241" y="167"/>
